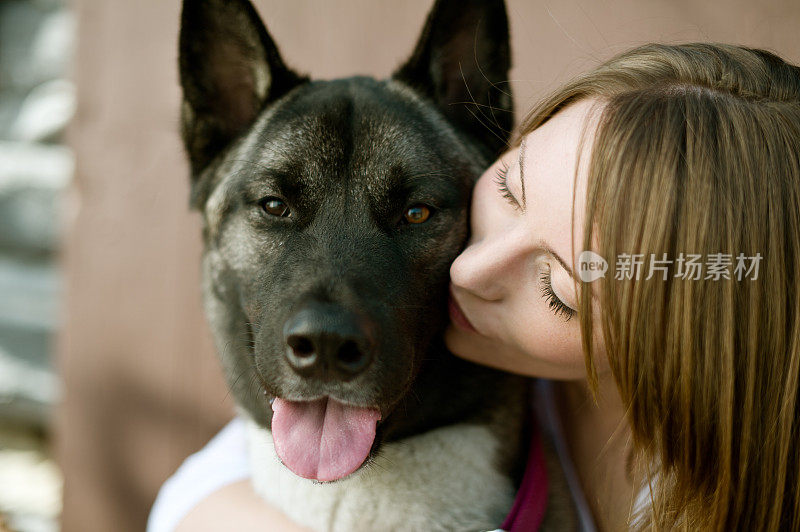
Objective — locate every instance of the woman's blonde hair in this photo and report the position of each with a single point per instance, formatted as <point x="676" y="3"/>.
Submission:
<point x="698" y="152"/>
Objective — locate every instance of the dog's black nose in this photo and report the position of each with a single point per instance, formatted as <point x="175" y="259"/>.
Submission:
<point x="327" y="342"/>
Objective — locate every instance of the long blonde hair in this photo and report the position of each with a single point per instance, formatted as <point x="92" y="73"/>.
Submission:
<point x="698" y="152"/>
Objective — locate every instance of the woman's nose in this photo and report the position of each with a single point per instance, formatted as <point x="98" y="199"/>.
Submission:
<point x="484" y="268"/>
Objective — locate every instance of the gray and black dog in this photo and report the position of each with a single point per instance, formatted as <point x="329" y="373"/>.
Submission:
<point x="331" y="213"/>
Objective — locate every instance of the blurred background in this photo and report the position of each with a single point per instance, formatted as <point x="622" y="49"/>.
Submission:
<point x="108" y="378"/>
<point x="37" y="100"/>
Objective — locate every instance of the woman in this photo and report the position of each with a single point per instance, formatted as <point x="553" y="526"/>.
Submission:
<point x="677" y="367"/>
<point x="694" y="150"/>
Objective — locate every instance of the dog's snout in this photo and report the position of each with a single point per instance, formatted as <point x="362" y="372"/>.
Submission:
<point x="327" y="342"/>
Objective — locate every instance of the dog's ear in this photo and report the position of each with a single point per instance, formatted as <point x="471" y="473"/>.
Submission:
<point x="230" y="69"/>
<point x="462" y="61"/>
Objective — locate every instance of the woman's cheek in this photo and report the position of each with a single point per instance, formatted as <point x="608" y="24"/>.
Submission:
<point x="551" y="339"/>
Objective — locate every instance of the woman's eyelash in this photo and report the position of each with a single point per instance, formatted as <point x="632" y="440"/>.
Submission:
<point x="502" y="184"/>
<point x="556" y="305"/>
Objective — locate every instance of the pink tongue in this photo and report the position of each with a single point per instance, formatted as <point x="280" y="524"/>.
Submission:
<point x="322" y="440"/>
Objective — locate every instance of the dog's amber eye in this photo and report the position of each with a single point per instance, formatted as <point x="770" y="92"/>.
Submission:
<point x="275" y="207"/>
<point x="417" y="214"/>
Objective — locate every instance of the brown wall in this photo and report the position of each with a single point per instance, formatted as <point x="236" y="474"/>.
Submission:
<point x="143" y="387"/>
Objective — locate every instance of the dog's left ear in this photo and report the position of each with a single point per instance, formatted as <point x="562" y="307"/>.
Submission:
<point x="462" y="61"/>
<point x="230" y="69"/>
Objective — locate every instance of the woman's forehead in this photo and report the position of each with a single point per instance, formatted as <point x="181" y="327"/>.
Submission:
<point x="550" y="157"/>
<point x="561" y="135"/>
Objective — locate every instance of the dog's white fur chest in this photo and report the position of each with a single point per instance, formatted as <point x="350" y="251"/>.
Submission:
<point x="445" y="479"/>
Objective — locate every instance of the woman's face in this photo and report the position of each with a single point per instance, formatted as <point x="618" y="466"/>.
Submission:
<point x="514" y="302"/>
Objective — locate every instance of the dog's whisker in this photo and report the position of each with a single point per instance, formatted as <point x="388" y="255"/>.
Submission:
<point x="487" y="127"/>
<point x="476" y="104"/>
<point x="431" y="174"/>
<point x="233" y="386"/>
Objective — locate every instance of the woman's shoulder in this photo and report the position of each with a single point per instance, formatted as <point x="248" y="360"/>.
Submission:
<point x="222" y="461"/>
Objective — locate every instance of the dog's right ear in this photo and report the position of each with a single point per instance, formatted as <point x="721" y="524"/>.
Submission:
<point x="230" y="69"/>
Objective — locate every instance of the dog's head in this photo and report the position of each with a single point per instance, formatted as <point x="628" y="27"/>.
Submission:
<point x="332" y="211"/>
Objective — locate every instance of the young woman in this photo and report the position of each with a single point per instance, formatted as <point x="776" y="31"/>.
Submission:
<point x="674" y="345"/>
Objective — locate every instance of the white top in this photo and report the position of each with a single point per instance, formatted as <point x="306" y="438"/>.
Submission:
<point x="224" y="461"/>
<point x="221" y="462"/>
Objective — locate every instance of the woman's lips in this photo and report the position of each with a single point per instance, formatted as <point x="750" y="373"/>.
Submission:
<point x="457" y="315"/>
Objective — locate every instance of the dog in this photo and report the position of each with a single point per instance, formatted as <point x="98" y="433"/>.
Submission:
<point x="331" y="213"/>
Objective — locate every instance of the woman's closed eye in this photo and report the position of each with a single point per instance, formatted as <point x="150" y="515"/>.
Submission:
<point x="558" y="307"/>
<point x="501" y="179"/>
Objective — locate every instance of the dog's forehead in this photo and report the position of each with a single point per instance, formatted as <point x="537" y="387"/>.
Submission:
<point x="357" y="129"/>
<point x="355" y="137"/>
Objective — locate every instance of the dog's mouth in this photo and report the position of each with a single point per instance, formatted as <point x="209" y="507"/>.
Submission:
<point x="324" y="439"/>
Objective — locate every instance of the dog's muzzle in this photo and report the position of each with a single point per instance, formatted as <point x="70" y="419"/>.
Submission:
<point x="328" y="343"/>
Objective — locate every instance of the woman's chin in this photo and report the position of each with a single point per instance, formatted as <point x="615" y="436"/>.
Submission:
<point x="475" y="348"/>
<point x="461" y="343"/>
<point x="488" y="352"/>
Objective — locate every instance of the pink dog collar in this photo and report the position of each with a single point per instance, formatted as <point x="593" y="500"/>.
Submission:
<point x="529" y="505"/>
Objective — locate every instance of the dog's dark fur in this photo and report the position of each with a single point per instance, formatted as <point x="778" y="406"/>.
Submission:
<point x="348" y="157"/>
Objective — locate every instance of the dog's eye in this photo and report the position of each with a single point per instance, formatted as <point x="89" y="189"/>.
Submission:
<point x="275" y="207"/>
<point x="417" y="214"/>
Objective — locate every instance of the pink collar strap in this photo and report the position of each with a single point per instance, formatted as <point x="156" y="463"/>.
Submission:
<point x="529" y="505"/>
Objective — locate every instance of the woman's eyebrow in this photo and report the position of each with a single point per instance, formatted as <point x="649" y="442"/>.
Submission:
<point x="522" y="170"/>
<point x="545" y="246"/>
